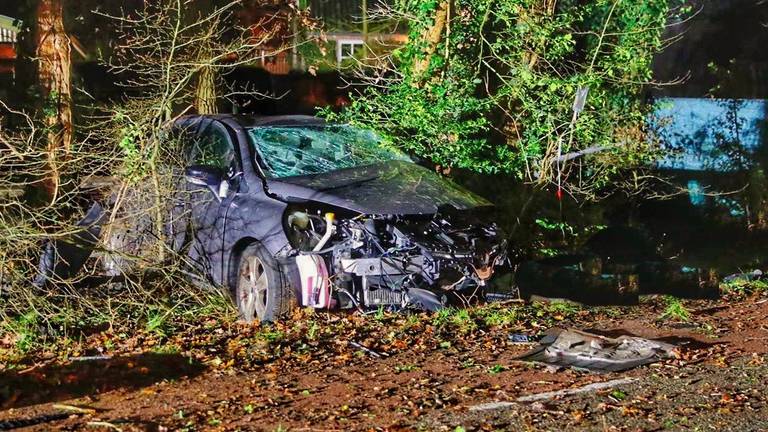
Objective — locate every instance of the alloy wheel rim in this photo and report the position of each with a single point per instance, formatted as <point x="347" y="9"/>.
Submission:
<point x="253" y="292"/>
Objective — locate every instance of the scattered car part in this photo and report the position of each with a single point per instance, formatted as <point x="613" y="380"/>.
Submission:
<point x="519" y="338"/>
<point x="367" y="350"/>
<point x="554" y="394"/>
<point x="574" y="348"/>
<point x="63" y="258"/>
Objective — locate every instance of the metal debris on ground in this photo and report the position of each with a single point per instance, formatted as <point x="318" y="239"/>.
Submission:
<point x="91" y="358"/>
<point x="365" y="349"/>
<point x="574" y="348"/>
<point x="519" y="338"/>
<point x="538" y="397"/>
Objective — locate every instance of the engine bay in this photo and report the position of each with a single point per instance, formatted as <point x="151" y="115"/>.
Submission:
<point x="372" y="261"/>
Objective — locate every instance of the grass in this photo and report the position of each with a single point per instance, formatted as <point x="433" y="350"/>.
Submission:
<point x="405" y="368"/>
<point x="60" y="318"/>
<point x="675" y="310"/>
<point x="312" y="331"/>
<point x="157" y="320"/>
<point x="496" y="369"/>
<point x="557" y="308"/>
<point x="467" y="320"/>
<point x="498" y="316"/>
<point x="25" y="328"/>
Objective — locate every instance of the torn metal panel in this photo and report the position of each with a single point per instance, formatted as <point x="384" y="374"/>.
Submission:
<point x="391" y="261"/>
<point x="574" y="348"/>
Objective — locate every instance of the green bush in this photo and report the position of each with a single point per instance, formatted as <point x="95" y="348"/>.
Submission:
<point x="499" y="89"/>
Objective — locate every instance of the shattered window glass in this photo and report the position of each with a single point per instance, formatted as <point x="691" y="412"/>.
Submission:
<point x="297" y="151"/>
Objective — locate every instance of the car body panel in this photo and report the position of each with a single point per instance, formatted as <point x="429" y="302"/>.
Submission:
<point x="407" y="187"/>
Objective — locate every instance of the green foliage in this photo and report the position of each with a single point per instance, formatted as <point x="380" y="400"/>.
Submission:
<point x="157" y="320"/>
<point x="562" y="308"/>
<point x="499" y="316"/>
<point x="495" y="369"/>
<point x="618" y="395"/>
<point x="405" y="368"/>
<point x="555" y="226"/>
<point x="742" y="287"/>
<point x="129" y="140"/>
<point x="25" y="327"/>
<point x="675" y="310"/>
<point x="497" y="94"/>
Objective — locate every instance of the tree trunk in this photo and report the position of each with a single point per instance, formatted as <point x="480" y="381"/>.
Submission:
<point x="54" y="75"/>
<point x="546" y="8"/>
<point x="205" y="93"/>
<point x="432" y="35"/>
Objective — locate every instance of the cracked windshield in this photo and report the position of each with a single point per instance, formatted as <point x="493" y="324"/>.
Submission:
<point x="297" y="151"/>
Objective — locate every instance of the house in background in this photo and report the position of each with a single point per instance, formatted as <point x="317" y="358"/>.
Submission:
<point x="355" y="28"/>
<point x="9" y="30"/>
<point x="352" y="31"/>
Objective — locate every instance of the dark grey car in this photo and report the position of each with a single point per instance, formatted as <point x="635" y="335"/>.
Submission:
<point x="291" y="211"/>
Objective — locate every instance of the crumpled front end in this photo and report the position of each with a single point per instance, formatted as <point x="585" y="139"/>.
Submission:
<point x="373" y="261"/>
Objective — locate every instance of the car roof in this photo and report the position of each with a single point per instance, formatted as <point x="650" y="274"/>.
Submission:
<point x="195" y="123"/>
<point x="247" y="121"/>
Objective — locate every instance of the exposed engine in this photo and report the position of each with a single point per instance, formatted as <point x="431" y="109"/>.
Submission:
<point x="369" y="262"/>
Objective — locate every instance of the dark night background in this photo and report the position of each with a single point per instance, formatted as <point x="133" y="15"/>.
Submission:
<point x="729" y="34"/>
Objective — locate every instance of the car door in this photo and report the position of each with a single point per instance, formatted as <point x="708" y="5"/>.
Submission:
<point x="213" y="147"/>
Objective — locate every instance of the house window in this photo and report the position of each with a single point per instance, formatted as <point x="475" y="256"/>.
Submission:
<point x="346" y="49"/>
<point x="7" y="35"/>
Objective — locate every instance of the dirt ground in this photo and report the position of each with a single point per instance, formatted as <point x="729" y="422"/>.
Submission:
<point x="434" y="375"/>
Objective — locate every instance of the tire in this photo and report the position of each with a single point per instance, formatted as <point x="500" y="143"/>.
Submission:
<point x="261" y="290"/>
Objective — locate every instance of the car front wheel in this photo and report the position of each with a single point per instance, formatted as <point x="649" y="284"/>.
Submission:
<point x="261" y="292"/>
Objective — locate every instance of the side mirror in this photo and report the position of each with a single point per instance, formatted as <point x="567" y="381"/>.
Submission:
<point x="214" y="178"/>
<point x="204" y="175"/>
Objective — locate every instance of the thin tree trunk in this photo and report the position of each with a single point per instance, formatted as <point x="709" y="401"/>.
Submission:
<point x="54" y="75"/>
<point x="205" y="92"/>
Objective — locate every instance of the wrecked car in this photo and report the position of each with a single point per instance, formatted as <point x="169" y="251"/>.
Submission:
<point x="292" y="211"/>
